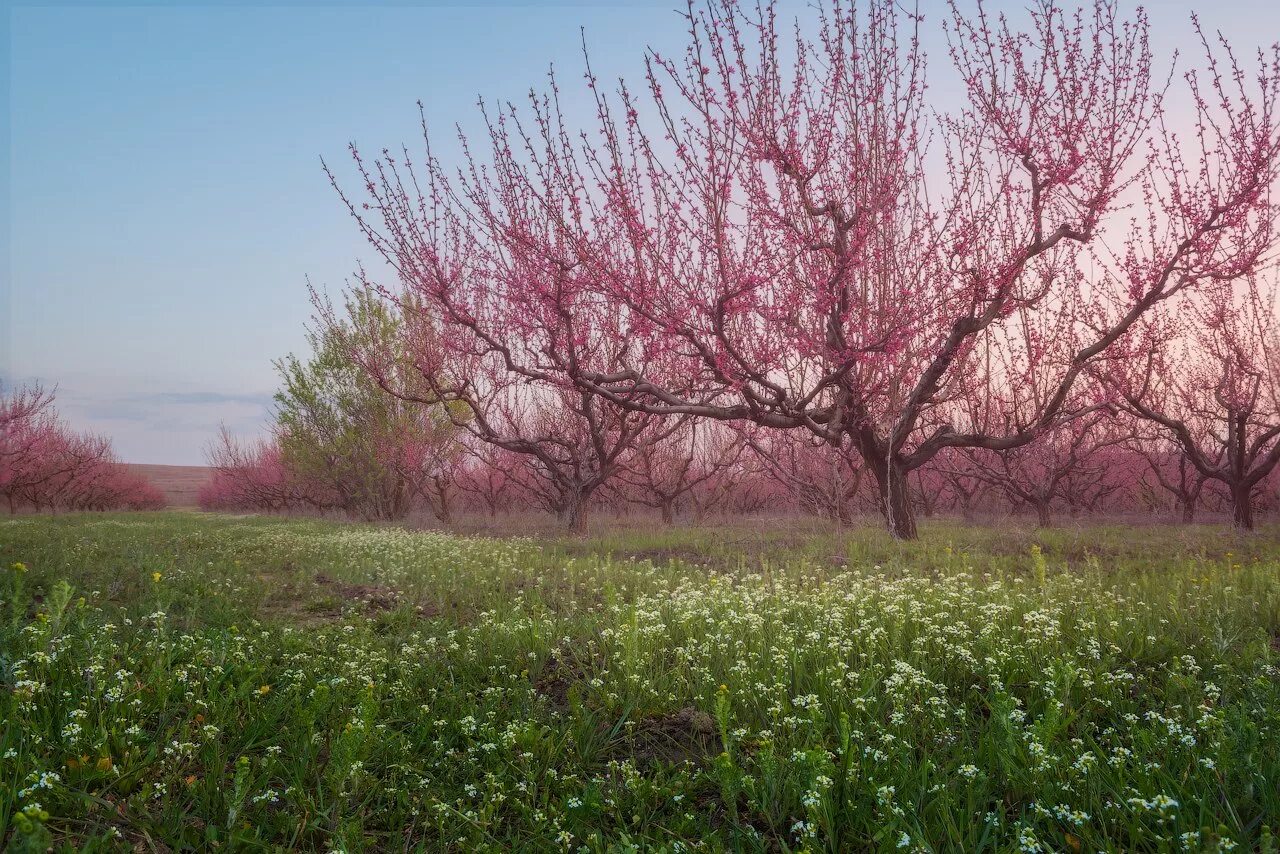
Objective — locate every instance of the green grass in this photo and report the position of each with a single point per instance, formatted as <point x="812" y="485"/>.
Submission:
<point x="181" y="681"/>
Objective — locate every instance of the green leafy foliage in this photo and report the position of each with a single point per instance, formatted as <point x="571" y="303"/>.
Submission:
<point x="338" y="429"/>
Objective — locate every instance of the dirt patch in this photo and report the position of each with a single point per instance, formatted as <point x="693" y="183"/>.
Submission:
<point x="687" y="735"/>
<point x="711" y="804"/>
<point x="180" y="485"/>
<point x="556" y="680"/>
<point x="288" y="605"/>
<point x="371" y="597"/>
<point x="297" y="603"/>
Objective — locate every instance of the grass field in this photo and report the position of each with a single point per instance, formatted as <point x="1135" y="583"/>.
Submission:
<point x="183" y="681"/>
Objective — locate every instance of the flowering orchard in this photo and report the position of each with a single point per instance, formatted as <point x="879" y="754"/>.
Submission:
<point x="775" y="278"/>
<point x="1103" y="466"/>
<point x="780" y="228"/>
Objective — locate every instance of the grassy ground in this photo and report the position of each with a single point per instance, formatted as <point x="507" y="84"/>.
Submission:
<point x="176" y="681"/>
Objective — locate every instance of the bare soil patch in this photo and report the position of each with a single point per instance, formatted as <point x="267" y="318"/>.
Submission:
<point x="555" y="681"/>
<point x="372" y="597"/>
<point x="180" y="485"/>
<point x="686" y="735"/>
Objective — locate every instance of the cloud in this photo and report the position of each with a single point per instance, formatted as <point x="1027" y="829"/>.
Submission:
<point x="167" y="409"/>
<point x="205" y="397"/>
<point x="165" y="426"/>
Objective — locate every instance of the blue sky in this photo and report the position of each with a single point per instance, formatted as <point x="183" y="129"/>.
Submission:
<point x="165" y="198"/>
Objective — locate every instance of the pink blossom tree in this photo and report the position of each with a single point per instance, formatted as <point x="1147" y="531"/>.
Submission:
<point x="1069" y="465"/>
<point x="1212" y="386"/>
<point x="761" y="238"/>
<point x="1172" y="472"/>
<point x="254" y="476"/>
<point x="687" y="466"/>
<point x="24" y="434"/>
<point x="573" y="443"/>
<point x="821" y="479"/>
<point x="485" y="475"/>
<point x="45" y="465"/>
<point x="431" y="468"/>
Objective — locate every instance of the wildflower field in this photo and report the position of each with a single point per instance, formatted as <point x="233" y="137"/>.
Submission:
<point x="184" y="681"/>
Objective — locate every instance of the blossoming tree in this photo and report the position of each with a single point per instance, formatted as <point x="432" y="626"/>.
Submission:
<point x="793" y="235"/>
<point x="1214" y="389"/>
<point x="45" y="465"/>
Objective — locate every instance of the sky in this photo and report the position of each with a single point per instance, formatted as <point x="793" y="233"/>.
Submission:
<point x="165" y="203"/>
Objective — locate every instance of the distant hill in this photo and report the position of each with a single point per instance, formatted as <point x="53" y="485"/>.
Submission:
<point x="180" y="484"/>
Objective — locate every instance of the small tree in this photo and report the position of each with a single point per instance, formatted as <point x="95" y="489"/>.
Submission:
<point x="337" y="427"/>
<point x="821" y="478"/>
<point x="961" y="480"/>
<point x="486" y="473"/>
<point x="249" y="476"/>
<point x="570" y="443"/>
<point x="1069" y="464"/>
<point x="1173" y="472"/>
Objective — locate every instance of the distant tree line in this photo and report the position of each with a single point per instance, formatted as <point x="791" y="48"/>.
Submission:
<point x="47" y="466"/>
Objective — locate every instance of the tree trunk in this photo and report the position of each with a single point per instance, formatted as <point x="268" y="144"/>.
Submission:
<point x="668" y="514"/>
<point x="1188" y="511"/>
<point x="928" y="500"/>
<point x="576" y="517"/>
<point x="894" y="499"/>
<point x="1043" y="519"/>
<point x="443" y="511"/>
<point x="1242" y="507"/>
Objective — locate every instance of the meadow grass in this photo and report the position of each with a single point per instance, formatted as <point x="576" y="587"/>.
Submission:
<point x="185" y="681"/>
